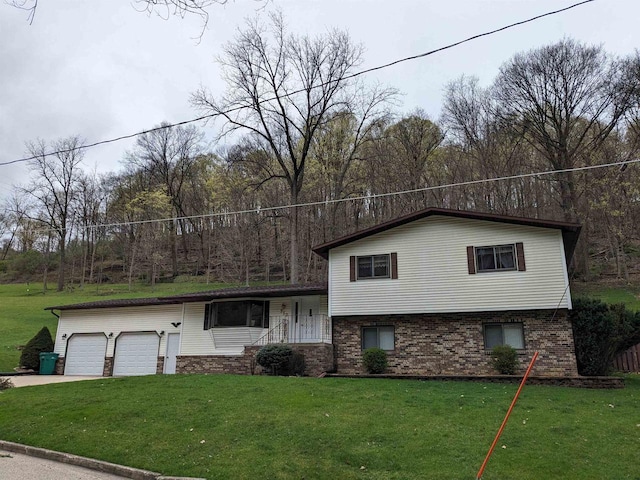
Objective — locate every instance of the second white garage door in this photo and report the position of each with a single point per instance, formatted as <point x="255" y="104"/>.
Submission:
<point x="136" y="354"/>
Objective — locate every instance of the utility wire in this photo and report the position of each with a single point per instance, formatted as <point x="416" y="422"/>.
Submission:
<point x="357" y="74"/>
<point x="351" y="199"/>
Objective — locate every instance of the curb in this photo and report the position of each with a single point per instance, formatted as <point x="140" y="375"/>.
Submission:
<point x="98" y="465"/>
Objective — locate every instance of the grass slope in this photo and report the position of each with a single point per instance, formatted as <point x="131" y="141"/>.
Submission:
<point x="244" y="427"/>
<point x="629" y="295"/>
<point x="22" y="313"/>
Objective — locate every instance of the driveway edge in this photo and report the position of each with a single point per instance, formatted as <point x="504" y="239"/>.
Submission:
<point x="93" y="464"/>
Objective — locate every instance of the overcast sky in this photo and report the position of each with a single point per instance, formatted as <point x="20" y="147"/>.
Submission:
<point x="99" y="69"/>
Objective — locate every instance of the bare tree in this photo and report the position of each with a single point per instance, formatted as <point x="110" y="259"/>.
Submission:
<point x="53" y="190"/>
<point x="564" y="99"/>
<point x="168" y="157"/>
<point x="162" y="8"/>
<point x="281" y="89"/>
<point x="488" y="149"/>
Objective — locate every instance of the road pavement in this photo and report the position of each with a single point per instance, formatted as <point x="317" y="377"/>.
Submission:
<point x="15" y="466"/>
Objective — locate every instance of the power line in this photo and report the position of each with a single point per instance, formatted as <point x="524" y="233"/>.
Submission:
<point x="622" y="163"/>
<point x="295" y="92"/>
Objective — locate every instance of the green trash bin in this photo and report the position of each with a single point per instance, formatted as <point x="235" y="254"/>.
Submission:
<point x="48" y="363"/>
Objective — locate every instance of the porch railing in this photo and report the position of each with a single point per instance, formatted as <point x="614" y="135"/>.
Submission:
<point x="304" y="329"/>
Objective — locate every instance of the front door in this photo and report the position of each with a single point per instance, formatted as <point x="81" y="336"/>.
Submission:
<point x="173" y="346"/>
<point x="306" y="322"/>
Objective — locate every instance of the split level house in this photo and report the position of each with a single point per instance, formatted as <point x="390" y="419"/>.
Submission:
<point x="436" y="289"/>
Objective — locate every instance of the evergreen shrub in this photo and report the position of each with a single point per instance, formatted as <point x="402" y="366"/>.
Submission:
<point x="600" y="331"/>
<point x="275" y="358"/>
<point x="374" y="360"/>
<point x="41" y="342"/>
<point x="504" y="359"/>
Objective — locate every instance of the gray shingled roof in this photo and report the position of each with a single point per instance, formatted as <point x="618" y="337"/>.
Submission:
<point x="224" y="293"/>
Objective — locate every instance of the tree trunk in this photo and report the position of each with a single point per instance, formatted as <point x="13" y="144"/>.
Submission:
<point x="293" y="240"/>
<point x="62" y="263"/>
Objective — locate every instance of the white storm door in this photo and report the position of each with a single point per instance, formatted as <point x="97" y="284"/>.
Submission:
<point x="136" y="354"/>
<point x="307" y="324"/>
<point x="85" y="355"/>
<point x="173" y="347"/>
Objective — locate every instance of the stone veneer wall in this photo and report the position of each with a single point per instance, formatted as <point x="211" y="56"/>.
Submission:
<point x="318" y="359"/>
<point x="453" y="344"/>
<point x="108" y="367"/>
<point x="160" y="365"/>
<point x="59" y="368"/>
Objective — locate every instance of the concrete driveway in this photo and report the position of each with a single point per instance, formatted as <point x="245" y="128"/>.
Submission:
<point x="29" y="380"/>
<point x="15" y="466"/>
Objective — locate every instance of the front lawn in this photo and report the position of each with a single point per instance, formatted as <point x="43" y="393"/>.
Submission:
<point x="244" y="427"/>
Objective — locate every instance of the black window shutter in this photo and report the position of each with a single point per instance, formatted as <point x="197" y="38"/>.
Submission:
<point x="471" y="261"/>
<point x="522" y="266"/>
<point x="207" y="314"/>
<point x="265" y="323"/>
<point x="394" y="266"/>
<point x="352" y="268"/>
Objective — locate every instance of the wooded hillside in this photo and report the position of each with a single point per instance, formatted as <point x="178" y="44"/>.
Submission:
<point x="305" y="133"/>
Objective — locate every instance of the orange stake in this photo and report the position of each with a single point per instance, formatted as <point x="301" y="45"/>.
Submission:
<point x="506" y="417"/>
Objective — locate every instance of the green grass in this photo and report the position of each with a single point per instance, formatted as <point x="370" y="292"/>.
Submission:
<point x="629" y="295"/>
<point x="244" y="427"/>
<point x="22" y="313"/>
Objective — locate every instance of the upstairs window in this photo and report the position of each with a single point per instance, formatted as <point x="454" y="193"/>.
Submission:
<point x="496" y="258"/>
<point x="374" y="266"/>
<point x="501" y="257"/>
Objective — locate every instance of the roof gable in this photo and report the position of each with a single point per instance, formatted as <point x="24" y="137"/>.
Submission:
<point x="570" y="231"/>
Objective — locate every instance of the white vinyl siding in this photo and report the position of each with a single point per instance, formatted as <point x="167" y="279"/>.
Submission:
<point x="198" y="341"/>
<point x="154" y="318"/>
<point x="433" y="275"/>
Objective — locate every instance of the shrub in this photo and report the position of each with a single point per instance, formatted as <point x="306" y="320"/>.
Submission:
<point x="41" y="342"/>
<point x="374" y="360"/>
<point x="297" y="365"/>
<point x="275" y="358"/>
<point x="5" y="383"/>
<point x="504" y="359"/>
<point x="600" y="331"/>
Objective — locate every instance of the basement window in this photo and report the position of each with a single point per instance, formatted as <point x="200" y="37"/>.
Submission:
<point x="511" y="334"/>
<point x="381" y="337"/>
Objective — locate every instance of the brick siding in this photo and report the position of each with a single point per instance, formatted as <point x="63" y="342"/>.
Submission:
<point x="453" y="344"/>
<point x="318" y="359"/>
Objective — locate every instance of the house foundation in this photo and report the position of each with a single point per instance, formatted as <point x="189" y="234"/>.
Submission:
<point x="453" y="344"/>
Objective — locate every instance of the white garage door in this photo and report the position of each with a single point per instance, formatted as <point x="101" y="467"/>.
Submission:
<point x="136" y="354"/>
<point x="85" y="355"/>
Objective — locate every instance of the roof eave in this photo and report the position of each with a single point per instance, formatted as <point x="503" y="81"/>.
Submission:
<point x="567" y="228"/>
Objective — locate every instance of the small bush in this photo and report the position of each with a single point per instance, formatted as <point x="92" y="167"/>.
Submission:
<point x="297" y="365"/>
<point x="5" y="383"/>
<point x="275" y="358"/>
<point x="374" y="360"/>
<point x="504" y="359"/>
<point x="41" y="342"/>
